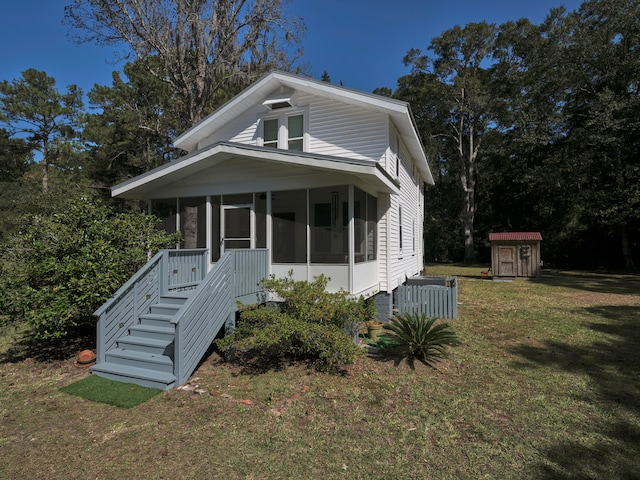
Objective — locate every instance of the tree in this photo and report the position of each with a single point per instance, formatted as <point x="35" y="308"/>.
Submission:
<point x="570" y="97"/>
<point x="15" y="157"/>
<point x="64" y="263"/>
<point x="325" y="77"/>
<point x="32" y="108"/>
<point x="202" y="45"/>
<point x="603" y="112"/>
<point x="135" y="126"/>
<point x="464" y="112"/>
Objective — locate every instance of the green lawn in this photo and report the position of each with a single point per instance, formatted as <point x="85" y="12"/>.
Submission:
<point x="545" y="385"/>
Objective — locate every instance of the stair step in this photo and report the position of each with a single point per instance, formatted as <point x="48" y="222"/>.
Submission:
<point x="165" y="308"/>
<point x="131" y="358"/>
<point x="156" y="319"/>
<point x="138" y="376"/>
<point x="146" y="344"/>
<point x="152" y="331"/>
<point x="177" y="298"/>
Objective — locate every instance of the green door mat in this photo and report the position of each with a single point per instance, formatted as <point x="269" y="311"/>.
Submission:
<point x="103" y="390"/>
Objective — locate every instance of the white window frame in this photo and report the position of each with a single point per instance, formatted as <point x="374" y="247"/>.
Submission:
<point x="282" y="115"/>
<point x="397" y="146"/>
<point x="400" y="239"/>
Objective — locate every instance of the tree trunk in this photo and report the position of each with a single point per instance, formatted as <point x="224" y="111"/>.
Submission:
<point x="45" y="166"/>
<point x="626" y="249"/>
<point x="467" y="164"/>
<point x="468" y="217"/>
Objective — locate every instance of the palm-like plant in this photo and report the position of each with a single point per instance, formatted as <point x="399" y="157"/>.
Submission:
<point x="418" y="337"/>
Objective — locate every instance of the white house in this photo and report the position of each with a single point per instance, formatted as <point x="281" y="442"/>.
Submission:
<point x="328" y="179"/>
<point x="290" y="175"/>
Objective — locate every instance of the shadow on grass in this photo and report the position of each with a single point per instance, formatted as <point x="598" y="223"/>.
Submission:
<point x="615" y="283"/>
<point x="22" y="344"/>
<point x="613" y="368"/>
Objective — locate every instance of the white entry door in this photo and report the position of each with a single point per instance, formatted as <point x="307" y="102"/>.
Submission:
<point x="237" y="227"/>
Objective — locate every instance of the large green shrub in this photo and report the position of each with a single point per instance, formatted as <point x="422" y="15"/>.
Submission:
<point x="306" y="324"/>
<point x="59" y="268"/>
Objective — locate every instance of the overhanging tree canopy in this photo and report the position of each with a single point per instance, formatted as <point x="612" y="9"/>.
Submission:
<point x="203" y="45"/>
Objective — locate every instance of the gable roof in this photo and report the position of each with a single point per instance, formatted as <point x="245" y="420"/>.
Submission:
<point x="258" y="92"/>
<point x="515" y="236"/>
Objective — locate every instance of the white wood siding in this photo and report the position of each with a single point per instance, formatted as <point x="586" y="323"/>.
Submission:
<point x="384" y="259"/>
<point x="335" y="128"/>
<point x="407" y="262"/>
<point x="242" y="130"/>
<point x="338" y="129"/>
<point x="343" y="130"/>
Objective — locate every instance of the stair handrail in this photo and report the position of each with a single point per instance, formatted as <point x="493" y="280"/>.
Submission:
<point x="109" y="326"/>
<point x="203" y="315"/>
<point x="142" y="290"/>
<point x="200" y="315"/>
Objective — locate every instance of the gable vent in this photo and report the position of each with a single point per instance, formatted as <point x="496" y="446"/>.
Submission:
<point x="280" y="100"/>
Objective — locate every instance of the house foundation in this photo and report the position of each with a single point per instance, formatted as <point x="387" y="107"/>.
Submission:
<point x="383" y="302"/>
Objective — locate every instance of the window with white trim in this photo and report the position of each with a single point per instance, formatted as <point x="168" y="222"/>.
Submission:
<point x="397" y="152"/>
<point x="295" y="133"/>
<point x="270" y="133"/>
<point x="285" y="131"/>
<point x="400" y="229"/>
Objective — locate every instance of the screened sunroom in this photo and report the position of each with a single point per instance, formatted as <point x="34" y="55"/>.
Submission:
<point x="312" y="231"/>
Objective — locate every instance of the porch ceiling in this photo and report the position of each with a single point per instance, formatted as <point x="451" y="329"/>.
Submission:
<point x="256" y="164"/>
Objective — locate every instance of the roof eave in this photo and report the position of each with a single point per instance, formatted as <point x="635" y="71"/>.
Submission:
<point x="138" y="187"/>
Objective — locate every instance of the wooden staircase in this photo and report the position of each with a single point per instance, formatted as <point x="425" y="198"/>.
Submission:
<point x="144" y="355"/>
<point x="156" y="328"/>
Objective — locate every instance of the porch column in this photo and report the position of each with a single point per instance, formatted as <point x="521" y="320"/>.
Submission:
<point x="209" y="240"/>
<point x="269" y="229"/>
<point x="352" y="243"/>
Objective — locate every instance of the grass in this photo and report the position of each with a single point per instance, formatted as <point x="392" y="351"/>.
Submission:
<point x="545" y="385"/>
<point x="103" y="390"/>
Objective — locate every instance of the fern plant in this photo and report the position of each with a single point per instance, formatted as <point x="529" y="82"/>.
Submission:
<point x="418" y="337"/>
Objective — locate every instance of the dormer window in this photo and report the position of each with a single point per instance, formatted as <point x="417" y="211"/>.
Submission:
<point x="295" y="132"/>
<point x="285" y="131"/>
<point x="270" y="138"/>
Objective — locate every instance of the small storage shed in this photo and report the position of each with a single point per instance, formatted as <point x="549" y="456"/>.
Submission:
<point x="515" y="254"/>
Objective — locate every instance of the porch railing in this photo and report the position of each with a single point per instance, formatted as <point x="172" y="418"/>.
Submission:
<point x="168" y="270"/>
<point x="234" y="277"/>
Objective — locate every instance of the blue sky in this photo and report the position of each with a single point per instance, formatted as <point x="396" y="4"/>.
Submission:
<point x="358" y="42"/>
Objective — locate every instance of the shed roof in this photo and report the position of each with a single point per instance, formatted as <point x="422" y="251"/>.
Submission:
<point x="514" y="236"/>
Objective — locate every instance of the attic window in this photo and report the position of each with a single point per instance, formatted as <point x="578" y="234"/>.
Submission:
<point x="281" y="100"/>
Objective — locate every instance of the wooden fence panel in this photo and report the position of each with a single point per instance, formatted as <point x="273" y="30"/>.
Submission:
<point x="440" y="301"/>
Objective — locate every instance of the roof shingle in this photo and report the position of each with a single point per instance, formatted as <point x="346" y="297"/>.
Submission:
<point x="511" y="236"/>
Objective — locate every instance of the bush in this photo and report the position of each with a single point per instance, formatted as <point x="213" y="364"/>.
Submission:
<point x="417" y="337"/>
<point x="308" y="324"/>
<point x="59" y="268"/>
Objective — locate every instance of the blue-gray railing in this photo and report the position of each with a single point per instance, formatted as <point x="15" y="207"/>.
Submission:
<point x="167" y="271"/>
<point x="234" y="277"/>
<point x="431" y="296"/>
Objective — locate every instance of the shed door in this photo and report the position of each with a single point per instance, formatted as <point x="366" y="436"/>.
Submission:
<point x="507" y="261"/>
